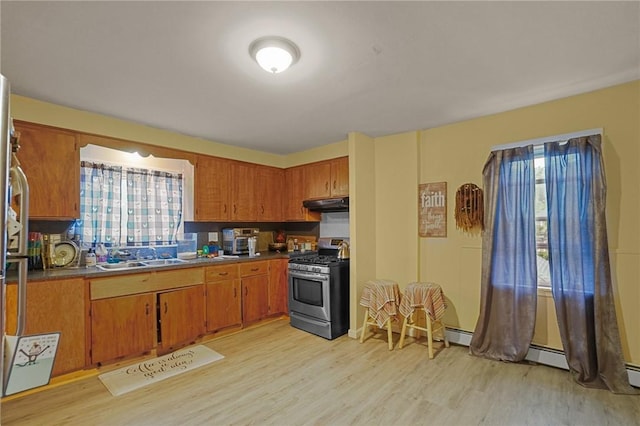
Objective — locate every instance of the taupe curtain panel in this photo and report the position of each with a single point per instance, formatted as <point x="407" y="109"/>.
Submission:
<point x="578" y="261"/>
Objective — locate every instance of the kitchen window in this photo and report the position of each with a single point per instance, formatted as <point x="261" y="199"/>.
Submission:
<point x="127" y="199"/>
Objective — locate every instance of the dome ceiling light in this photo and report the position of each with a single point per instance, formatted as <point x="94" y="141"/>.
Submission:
<point x="274" y="54"/>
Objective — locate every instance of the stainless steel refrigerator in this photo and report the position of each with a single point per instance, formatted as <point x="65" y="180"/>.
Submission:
<point x="27" y="361"/>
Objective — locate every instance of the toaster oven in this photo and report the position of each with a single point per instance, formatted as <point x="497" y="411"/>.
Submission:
<point x="236" y="240"/>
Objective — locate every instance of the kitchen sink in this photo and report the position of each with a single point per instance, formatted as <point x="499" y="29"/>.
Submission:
<point x="123" y="266"/>
<point x="162" y="262"/>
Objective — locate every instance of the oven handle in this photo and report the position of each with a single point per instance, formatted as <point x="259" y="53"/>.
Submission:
<point x="308" y="275"/>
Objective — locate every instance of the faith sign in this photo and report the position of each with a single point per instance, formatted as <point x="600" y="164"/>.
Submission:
<point x="432" y="207"/>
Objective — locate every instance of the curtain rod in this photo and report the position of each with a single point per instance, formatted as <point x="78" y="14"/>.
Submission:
<point x="554" y="138"/>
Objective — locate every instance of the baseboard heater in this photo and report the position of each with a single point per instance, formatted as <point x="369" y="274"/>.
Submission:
<point x="539" y="354"/>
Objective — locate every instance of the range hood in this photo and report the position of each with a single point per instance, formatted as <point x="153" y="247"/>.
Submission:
<point x="339" y="204"/>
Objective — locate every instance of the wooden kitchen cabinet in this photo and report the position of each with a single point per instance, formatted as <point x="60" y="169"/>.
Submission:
<point x="50" y="158"/>
<point x="180" y="317"/>
<point x="295" y="195"/>
<point x="243" y="200"/>
<point x="327" y="178"/>
<point x="269" y="193"/>
<point x="212" y="189"/>
<point x="122" y="326"/>
<point x="54" y="306"/>
<point x="317" y="179"/>
<point x="340" y="176"/>
<point x="222" y="297"/>
<point x="254" y="278"/>
<point x="125" y="310"/>
<point x="278" y="286"/>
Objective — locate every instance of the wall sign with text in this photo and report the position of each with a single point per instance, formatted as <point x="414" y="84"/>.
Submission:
<point x="432" y="205"/>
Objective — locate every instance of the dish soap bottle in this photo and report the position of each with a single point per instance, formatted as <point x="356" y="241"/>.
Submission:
<point x="90" y="258"/>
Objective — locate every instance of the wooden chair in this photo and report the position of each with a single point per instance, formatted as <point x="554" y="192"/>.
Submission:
<point x="429" y="297"/>
<point x="381" y="298"/>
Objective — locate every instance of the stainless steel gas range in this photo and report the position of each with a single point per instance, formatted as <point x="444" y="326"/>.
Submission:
<point x="319" y="290"/>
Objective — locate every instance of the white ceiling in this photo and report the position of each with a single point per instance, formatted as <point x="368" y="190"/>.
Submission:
<point x="374" y="67"/>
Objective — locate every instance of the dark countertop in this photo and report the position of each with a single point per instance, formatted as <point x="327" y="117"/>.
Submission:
<point x="92" y="272"/>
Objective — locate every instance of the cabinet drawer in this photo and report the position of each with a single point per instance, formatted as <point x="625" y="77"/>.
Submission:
<point x="122" y="285"/>
<point x="254" y="268"/>
<point x="221" y="272"/>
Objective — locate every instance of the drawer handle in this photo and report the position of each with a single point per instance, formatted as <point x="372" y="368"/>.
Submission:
<point x="334" y="184"/>
<point x="255" y="269"/>
<point x="326" y="185"/>
<point x="146" y="306"/>
<point x="235" y="293"/>
<point x="223" y="273"/>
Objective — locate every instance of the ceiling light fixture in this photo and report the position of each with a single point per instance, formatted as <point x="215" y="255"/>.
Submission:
<point x="274" y="54"/>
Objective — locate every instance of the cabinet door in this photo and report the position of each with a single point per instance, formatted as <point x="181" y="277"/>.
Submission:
<point x="51" y="160"/>
<point x="316" y="180"/>
<point x="122" y="326"/>
<point x="180" y="316"/>
<point x="340" y="177"/>
<point x="278" y="286"/>
<point x="212" y="189"/>
<point x="269" y="194"/>
<point x="223" y="308"/>
<point x="295" y="195"/>
<point x="243" y="197"/>
<point x="255" y="298"/>
<point x="54" y="306"/>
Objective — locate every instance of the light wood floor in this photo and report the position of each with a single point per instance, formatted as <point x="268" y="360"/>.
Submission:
<point x="279" y="375"/>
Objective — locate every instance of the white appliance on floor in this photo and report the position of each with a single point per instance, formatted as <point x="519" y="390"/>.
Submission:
<point x="27" y="360"/>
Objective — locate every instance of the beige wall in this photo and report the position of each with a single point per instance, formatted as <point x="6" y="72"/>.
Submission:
<point x="456" y="154"/>
<point x="362" y="220"/>
<point x="396" y="176"/>
<point x="27" y="109"/>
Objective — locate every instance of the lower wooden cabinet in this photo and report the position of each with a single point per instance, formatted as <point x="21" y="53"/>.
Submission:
<point x="180" y="317"/>
<point x="122" y="326"/>
<point x="255" y="304"/>
<point x="222" y="297"/>
<point x="254" y="277"/>
<point x="54" y="306"/>
<point x="278" y="286"/>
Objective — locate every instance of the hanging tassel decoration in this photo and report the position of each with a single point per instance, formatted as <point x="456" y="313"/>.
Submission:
<point x="469" y="209"/>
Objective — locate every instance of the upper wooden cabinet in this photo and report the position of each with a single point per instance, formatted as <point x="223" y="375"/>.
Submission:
<point x="51" y="160"/>
<point x="294" y="195"/>
<point x="269" y="194"/>
<point x="212" y="189"/>
<point x="227" y="190"/>
<point x="340" y="176"/>
<point x="327" y="178"/>
<point x="243" y="200"/>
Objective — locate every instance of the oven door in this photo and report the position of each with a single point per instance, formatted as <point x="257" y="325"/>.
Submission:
<point x="309" y="294"/>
